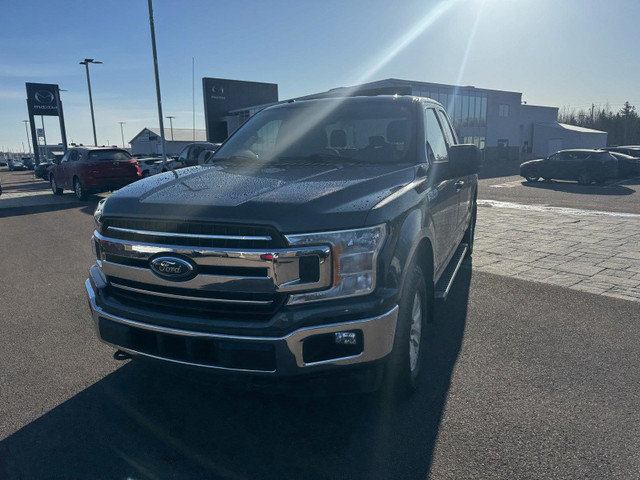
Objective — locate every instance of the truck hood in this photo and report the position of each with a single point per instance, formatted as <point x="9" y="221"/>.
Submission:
<point x="293" y="197"/>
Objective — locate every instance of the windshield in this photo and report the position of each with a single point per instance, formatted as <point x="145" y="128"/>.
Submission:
<point x="109" y="155"/>
<point x="377" y="132"/>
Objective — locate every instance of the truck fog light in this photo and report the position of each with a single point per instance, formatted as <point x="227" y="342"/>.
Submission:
<point x="345" y="338"/>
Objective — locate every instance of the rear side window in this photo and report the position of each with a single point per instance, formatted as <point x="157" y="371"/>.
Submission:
<point x="109" y="155"/>
<point x="448" y="129"/>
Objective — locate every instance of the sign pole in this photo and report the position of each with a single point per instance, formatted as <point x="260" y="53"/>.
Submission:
<point x="63" y="131"/>
<point x="44" y="136"/>
<point x="34" y="138"/>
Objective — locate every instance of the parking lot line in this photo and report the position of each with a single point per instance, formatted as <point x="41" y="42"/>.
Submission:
<point x="549" y="208"/>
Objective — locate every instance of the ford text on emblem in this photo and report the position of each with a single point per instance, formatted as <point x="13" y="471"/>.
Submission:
<point x="172" y="268"/>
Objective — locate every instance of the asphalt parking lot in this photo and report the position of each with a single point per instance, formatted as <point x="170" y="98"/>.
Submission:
<point x="525" y="378"/>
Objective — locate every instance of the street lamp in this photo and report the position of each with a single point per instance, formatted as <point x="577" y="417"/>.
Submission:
<point x="86" y="63"/>
<point x="28" y="139"/>
<point x="122" y="132"/>
<point x="171" y="124"/>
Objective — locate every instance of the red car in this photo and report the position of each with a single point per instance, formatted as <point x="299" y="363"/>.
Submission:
<point x="92" y="170"/>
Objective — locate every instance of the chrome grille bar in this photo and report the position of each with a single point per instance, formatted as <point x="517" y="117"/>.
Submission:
<point x="188" y="297"/>
<point x="190" y="235"/>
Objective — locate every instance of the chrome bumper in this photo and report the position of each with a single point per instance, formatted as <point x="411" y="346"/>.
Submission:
<point x="378" y="337"/>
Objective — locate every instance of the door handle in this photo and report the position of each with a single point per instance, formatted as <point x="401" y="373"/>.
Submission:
<point x="459" y="184"/>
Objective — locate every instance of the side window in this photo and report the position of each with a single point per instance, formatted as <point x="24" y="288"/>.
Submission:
<point x="184" y="153"/>
<point x="73" y="157"/>
<point x="448" y="129"/>
<point x="436" y="145"/>
<point x="195" y="151"/>
<point x="65" y="157"/>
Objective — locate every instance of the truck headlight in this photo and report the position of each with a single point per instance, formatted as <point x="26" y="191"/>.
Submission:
<point x="354" y="253"/>
<point x="97" y="215"/>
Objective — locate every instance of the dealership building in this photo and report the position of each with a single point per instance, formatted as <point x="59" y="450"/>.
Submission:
<point x="149" y="141"/>
<point x="497" y="121"/>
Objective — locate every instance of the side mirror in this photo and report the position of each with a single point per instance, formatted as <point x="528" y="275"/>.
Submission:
<point x="464" y="159"/>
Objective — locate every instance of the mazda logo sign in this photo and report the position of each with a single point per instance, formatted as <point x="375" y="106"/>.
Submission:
<point x="217" y="90"/>
<point x="172" y="268"/>
<point x="44" y="96"/>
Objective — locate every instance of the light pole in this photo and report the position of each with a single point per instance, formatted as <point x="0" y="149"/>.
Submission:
<point x="28" y="139"/>
<point x="157" y="75"/>
<point x="171" y="124"/>
<point x="122" y="132"/>
<point x="86" y="63"/>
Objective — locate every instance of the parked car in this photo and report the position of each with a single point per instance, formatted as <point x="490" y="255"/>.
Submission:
<point x="628" y="166"/>
<point x="3" y="161"/>
<point x="628" y="159"/>
<point x="93" y="169"/>
<point x="195" y="154"/>
<point x="150" y="166"/>
<point x="43" y="169"/>
<point x="28" y="162"/>
<point x="585" y="166"/>
<point x="16" y="164"/>
<point x="300" y="251"/>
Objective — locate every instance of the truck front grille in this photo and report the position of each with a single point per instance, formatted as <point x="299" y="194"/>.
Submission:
<point x="184" y="302"/>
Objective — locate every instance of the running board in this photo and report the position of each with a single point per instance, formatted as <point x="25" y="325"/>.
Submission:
<point x="449" y="275"/>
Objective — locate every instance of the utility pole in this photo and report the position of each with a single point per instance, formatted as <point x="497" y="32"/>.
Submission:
<point x="86" y="63"/>
<point x="28" y="138"/>
<point x="171" y="123"/>
<point x="157" y="75"/>
<point x="122" y="132"/>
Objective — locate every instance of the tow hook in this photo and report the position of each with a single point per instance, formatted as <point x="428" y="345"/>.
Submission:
<point x="120" y="355"/>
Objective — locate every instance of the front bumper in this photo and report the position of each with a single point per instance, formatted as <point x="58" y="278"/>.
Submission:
<point x="279" y="356"/>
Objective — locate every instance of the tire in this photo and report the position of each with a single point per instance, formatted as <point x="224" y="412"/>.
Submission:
<point x="531" y="178"/>
<point x="403" y="369"/>
<point x="145" y="174"/>
<point x="78" y="189"/>
<point x="54" y="186"/>
<point x="584" y="178"/>
<point x="470" y="233"/>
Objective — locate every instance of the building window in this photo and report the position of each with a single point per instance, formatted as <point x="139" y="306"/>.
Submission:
<point x="503" y="110"/>
<point x="477" y="141"/>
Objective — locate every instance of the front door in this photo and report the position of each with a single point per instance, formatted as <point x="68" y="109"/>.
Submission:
<point x="443" y="196"/>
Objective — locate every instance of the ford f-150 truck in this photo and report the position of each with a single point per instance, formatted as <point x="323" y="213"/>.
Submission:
<point x="315" y="241"/>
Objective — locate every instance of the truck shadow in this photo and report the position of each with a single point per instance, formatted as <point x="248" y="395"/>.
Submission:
<point x="141" y="423"/>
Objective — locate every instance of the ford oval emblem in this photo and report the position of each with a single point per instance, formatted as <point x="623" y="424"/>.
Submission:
<point x="172" y="268"/>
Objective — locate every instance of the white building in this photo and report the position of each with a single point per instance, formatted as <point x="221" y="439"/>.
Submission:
<point x="149" y="141"/>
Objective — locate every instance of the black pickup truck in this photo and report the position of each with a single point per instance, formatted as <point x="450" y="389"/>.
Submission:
<point x="314" y="241"/>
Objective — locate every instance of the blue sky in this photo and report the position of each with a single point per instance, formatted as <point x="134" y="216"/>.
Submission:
<point x="568" y="52"/>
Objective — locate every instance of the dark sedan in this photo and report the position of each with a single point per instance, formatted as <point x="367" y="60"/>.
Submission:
<point x="628" y="159"/>
<point x="585" y="166"/>
<point x="16" y="164"/>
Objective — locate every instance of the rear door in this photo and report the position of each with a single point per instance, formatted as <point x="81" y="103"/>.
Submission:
<point x="444" y="196"/>
<point x="111" y="166"/>
<point x="73" y="167"/>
